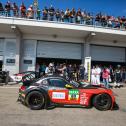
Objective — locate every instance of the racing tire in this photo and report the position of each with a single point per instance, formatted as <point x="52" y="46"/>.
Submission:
<point x="102" y="102"/>
<point x="35" y="100"/>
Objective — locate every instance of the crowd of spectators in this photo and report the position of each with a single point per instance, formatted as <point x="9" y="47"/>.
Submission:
<point x="70" y="72"/>
<point x="73" y="72"/>
<point x="115" y="75"/>
<point x="70" y="16"/>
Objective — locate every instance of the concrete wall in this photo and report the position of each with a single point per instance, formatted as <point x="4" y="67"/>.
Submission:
<point x="31" y="40"/>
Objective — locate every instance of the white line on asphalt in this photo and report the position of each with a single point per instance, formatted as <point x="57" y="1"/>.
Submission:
<point x="8" y="87"/>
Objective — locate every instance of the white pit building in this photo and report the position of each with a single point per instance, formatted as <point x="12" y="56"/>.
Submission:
<point x="24" y="42"/>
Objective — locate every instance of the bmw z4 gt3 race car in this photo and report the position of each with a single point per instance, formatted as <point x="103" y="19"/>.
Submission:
<point x="57" y="91"/>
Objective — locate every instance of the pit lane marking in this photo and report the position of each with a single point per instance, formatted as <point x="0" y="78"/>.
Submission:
<point x="9" y="87"/>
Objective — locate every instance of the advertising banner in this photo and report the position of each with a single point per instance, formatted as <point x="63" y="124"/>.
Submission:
<point x="87" y="66"/>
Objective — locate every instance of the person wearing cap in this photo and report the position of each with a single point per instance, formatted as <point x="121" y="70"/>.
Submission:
<point x="50" y="69"/>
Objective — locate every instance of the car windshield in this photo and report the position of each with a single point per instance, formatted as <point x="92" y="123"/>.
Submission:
<point x="75" y="84"/>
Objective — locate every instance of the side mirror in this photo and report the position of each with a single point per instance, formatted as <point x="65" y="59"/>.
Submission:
<point x="68" y="86"/>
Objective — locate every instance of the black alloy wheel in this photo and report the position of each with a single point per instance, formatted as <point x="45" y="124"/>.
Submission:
<point x="35" y="100"/>
<point x="102" y="102"/>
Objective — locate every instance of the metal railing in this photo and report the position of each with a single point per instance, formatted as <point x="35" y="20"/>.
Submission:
<point x="90" y="23"/>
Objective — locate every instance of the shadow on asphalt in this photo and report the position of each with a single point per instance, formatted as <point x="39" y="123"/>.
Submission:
<point x="115" y="107"/>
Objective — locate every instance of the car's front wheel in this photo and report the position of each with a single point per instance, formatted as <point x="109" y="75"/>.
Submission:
<point x="102" y="102"/>
<point x="35" y="100"/>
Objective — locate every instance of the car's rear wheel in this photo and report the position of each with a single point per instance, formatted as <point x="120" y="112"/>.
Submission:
<point x="35" y="100"/>
<point x="102" y="102"/>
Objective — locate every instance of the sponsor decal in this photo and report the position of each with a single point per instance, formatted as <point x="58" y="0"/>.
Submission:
<point x="73" y="94"/>
<point x="87" y="66"/>
<point x="83" y="99"/>
<point x="58" y="95"/>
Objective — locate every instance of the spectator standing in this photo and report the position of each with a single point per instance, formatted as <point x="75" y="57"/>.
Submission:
<point x="62" y="15"/>
<point x="98" y="19"/>
<point x="1" y="9"/>
<point x="75" y="72"/>
<point x="42" y="69"/>
<point x="117" y="76"/>
<point x="98" y="73"/>
<point x="103" y="20"/>
<point x="89" y="19"/>
<point x="63" y="70"/>
<point x="50" y="69"/>
<point x="111" y="74"/>
<point x="51" y="13"/>
<point x="8" y="9"/>
<point x="23" y="10"/>
<point x="81" y="72"/>
<point x="58" y="16"/>
<point x="105" y="76"/>
<point x="38" y="14"/>
<point x="78" y="16"/>
<point x="70" y="71"/>
<point x="67" y="15"/>
<point x="59" y="69"/>
<point x="72" y="15"/>
<point x="93" y="75"/>
<point x="123" y="74"/>
<point x="45" y="13"/>
<point x="109" y="21"/>
<point x="123" y="21"/>
<point x="84" y="17"/>
<point x="30" y="12"/>
<point x="117" y="23"/>
<point x="15" y="10"/>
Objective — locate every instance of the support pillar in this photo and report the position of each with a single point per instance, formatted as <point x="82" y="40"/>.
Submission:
<point x="18" y="48"/>
<point x="87" y="49"/>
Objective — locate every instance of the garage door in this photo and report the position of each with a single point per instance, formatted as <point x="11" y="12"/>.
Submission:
<point x="29" y="55"/>
<point x="58" y="50"/>
<point x="104" y="53"/>
<point x="10" y="56"/>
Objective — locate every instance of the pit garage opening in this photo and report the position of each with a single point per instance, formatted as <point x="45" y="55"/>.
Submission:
<point x="46" y="61"/>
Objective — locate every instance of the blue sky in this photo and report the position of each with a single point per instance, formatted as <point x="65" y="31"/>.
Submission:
<point x="111" y="7"/>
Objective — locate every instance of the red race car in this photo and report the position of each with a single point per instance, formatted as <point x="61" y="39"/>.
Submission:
<point x="56" y="91"/>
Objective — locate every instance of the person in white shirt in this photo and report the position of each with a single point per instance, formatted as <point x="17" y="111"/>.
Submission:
<point x="98" y="74"/>
<point x="93" y="75"/>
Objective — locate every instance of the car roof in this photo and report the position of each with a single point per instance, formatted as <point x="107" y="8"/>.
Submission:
<point x="52" y="76"/>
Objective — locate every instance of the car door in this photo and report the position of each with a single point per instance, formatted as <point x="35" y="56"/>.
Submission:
<point x="59" y="94"/>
